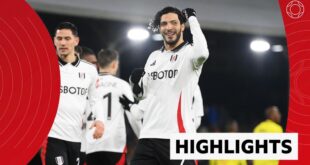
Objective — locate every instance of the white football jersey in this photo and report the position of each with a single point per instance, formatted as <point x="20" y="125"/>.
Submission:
<point x="169" y="84"/>
<point x="85" y="115"/>
<point x="197" y="106"/>
<point x="78" y="81"/>
<point x="110" y="89"/>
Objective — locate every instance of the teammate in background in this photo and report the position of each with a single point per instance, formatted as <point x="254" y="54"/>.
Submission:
<point x="78" y="80"/>
<point x="270" y="125"/>
<point x="166" y="87"/>
<point x="232" y="126"/>
<point x="88" y="55"/>
<point x="197" y="107"/>
<point x="111" y="148"/>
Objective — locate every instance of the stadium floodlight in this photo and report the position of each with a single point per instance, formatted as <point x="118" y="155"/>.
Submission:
<point x="277" y="48"/>
<point x="259" y="45"/>
<point x="138" y="34"/>
<point x="157" y="37"/>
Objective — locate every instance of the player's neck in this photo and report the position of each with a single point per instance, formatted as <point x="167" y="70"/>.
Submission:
<point x="106" y="71"/>
<point x="70" y="58"/>
<point x="170" y="47"/>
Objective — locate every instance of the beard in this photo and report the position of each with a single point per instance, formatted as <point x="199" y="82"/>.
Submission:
<point x="172" y="42"/>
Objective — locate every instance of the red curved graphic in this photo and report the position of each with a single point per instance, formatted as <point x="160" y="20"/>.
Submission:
<point x="29" y="82"/>
<point x="296" y="17"/>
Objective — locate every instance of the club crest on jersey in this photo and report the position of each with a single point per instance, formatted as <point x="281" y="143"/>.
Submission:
<point x="152" y="64"/>
<point x="59" y="160"/>
<point x="173" y="58"/>
<point x="82" y="75"/>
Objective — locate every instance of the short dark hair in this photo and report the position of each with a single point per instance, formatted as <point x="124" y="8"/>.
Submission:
<point x="154" y="24"/>
<point x="106" y="56"/>
<point x="84" y="51"/>
<point x="67" y="25"/>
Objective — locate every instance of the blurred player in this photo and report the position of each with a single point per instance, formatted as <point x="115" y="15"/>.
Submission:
<point x="111" y="148"/>
<point x="167" y="86"/>
<point x="78" y="80"/>
<point x="270" y="125"/>
<point x="231" y="126"/>
<point x="88" y="55"/>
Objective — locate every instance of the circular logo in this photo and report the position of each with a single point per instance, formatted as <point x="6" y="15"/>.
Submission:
<point x="295" y="9"/>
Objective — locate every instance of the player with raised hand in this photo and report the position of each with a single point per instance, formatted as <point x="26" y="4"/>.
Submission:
<point x="167" y="87"/>
<point x="111" y="148"/>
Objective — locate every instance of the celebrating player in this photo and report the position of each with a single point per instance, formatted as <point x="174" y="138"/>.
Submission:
<point x="167" y="86"/>
<point x="111" y="148"/>
<point x="78" y="80"/>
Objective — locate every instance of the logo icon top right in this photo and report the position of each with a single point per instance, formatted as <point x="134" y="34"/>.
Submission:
<point x="295" y="9"/>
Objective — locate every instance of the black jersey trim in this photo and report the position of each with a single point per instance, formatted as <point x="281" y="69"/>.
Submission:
<point x="61" y="62"/>
<point x="104" y="74"/>
<point x="77" y="61"/>
<point x="74" y="63"/>
<point x="176" y="48"/>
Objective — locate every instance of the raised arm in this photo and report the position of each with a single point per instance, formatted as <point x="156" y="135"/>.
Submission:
<point x="201" y="51"/>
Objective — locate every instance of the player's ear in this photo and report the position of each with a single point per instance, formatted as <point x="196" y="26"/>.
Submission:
<point x="77" y="40"/>
<point x="114" y="64"/>
<point x="54" y="41"/>
<point x="182" y="27"/>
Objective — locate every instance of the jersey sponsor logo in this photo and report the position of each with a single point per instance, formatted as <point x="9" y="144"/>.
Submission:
<point x="163" y="74"/>
<point x="73" y="90"/>
<point x="59" y="160"/>
<point x="173" y="58"/>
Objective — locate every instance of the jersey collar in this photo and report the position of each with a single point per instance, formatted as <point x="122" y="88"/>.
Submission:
<point x="74" y="63"/>
<point x="105" y="74"/>
<point x="176" y="48"/>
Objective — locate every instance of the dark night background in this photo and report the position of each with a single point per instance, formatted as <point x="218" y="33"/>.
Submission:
<point x="235" y="81"/>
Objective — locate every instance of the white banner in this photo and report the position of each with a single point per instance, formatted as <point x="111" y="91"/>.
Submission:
<point x="234" y="146"/>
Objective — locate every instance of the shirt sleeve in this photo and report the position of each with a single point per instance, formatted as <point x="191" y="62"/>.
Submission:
<point x="197" y="106"/>
<point x="198" y="103"/>
<point x="93" y="96"/>
<point x="126" y="90"/>
<point x="137" y="110"/>
<point x="145" y="78"/>
<point x="135" y="124"/>
<point x="200" y="47"/>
